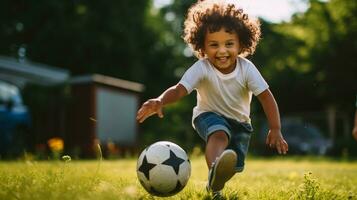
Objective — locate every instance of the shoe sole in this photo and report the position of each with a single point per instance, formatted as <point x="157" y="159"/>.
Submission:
<point x="224" y="169"/>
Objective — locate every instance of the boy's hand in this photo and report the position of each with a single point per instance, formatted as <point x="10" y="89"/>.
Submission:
<point x="150" y="107"/>
<point x="275" y="140"/>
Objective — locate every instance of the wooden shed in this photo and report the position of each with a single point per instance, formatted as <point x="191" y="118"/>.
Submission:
<point x="102" y="110"/>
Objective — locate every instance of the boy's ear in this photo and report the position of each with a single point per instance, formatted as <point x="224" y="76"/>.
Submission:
<point x="239" y="49"/>
<point x="202" y="52"/>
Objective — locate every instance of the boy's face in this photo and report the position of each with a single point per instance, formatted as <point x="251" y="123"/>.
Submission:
<point x="221" y="49"/>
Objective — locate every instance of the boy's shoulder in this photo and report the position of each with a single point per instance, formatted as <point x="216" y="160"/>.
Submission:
<point x="202" y="64"/>
<point x="245" y="62"/>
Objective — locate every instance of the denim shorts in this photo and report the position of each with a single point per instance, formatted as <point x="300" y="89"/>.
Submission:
<point x="238" y="133"/>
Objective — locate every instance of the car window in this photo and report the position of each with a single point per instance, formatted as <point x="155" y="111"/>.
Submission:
<point x="9" y="92"/>
<point x="300" y="130"/>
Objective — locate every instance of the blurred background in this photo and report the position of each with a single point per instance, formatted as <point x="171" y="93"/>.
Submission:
<point x="73" y="74"/>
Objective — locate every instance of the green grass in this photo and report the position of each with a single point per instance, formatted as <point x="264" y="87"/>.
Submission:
<point x="277" y="178"/>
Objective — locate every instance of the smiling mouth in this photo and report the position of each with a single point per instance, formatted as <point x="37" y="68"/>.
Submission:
<point x="222" y="59"/>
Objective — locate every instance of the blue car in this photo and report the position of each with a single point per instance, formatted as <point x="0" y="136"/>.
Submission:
<point x="15" y="121"/>
<point x="303" y="138"/>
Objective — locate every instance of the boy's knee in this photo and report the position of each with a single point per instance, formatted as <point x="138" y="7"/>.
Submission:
<point x="219" y="136"/>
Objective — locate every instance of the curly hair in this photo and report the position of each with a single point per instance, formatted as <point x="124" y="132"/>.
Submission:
<point x="208" y="15"/>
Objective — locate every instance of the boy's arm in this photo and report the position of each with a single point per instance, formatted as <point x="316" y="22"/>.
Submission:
<point x="154" y="106"/>
<point x="274" y="137"/>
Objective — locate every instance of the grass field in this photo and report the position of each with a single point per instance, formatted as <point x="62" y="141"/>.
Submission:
<point x="274" y="178"/>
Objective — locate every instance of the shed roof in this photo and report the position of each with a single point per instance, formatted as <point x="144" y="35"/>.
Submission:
<point x="21" y="72"/>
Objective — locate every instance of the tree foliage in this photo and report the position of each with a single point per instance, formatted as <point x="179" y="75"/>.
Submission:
<point x="311" y="58"/>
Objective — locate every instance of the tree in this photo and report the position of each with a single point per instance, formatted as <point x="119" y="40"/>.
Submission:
<point x="313" y="56"/>
<point x="108" y="37"/>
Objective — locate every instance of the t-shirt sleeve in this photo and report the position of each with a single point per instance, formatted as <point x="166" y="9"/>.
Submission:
<point x="255" y="80"/>
<point x="192" y="76"/>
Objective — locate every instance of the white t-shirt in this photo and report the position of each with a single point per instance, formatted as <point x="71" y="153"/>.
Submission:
<point x="225" y="94"/>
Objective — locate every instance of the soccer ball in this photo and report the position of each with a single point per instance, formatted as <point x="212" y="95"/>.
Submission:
<point x="163" y="169"/>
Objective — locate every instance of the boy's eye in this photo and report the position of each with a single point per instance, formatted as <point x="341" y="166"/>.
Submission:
<point x="230" y="44"/>
<point x="213" y="45"/>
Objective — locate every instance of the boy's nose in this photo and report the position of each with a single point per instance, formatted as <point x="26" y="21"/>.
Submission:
<point x="221" y="50"/>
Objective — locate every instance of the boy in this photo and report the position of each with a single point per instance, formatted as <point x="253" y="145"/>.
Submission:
<point x="221" y="35"/>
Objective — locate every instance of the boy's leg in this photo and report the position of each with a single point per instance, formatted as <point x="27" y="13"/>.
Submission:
<point x="221" y="162"/>
<point x="216" y="144"/>
<point x="216" y="132"/>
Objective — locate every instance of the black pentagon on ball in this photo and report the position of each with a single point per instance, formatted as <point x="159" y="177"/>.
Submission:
<point x="177" y="189"/>
<point x="174" y="162"/>
<point x="145" y="167"/>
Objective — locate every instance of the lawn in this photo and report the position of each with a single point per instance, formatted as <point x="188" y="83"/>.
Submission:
<point x="274" y="178"/>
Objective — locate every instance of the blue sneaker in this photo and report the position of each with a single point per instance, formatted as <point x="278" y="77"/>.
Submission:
<point x="222" y="170"/>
